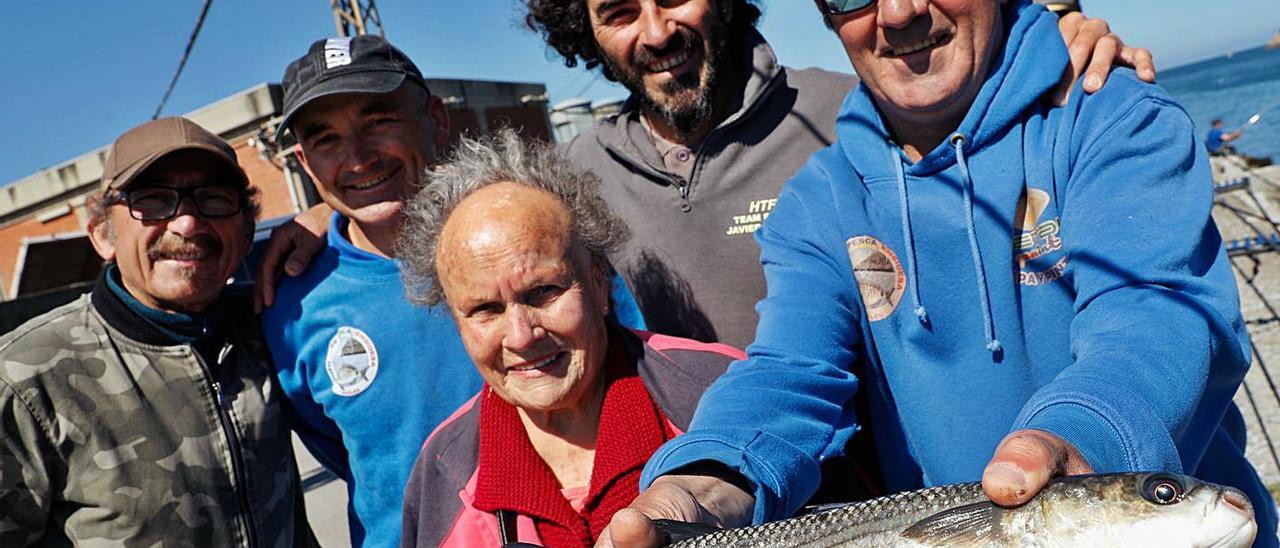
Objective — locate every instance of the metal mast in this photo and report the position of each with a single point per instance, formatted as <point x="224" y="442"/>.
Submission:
<point x="356" y="17"/>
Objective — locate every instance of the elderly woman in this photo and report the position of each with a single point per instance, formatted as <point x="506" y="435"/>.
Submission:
<point x="514" y="240"/>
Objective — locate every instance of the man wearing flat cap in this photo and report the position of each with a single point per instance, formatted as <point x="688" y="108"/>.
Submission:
<point x="144" y="413"/>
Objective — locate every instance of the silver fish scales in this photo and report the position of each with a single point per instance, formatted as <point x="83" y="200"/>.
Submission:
<point x="1130" y="509"/>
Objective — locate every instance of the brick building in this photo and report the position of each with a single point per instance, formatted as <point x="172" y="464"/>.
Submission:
<point x="43" y="243"/>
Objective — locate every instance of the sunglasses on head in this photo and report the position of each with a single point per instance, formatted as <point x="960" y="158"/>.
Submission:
<point x="841" y="7"/>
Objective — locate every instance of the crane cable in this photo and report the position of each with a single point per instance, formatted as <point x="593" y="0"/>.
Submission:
<point x="191" y="42"/>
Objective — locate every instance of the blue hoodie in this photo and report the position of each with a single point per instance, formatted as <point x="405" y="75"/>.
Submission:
<point x="1048" y="268"/>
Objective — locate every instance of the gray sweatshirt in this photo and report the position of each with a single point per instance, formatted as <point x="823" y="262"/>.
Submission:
<point x="692" y="262"/>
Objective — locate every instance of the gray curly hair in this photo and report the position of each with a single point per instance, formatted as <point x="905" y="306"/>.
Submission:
<point x="476" y="164"/>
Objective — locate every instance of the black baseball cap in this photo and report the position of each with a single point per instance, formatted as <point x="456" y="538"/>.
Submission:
<point x="356" y="64"/>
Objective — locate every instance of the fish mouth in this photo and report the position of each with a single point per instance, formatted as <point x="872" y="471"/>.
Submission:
<point x="1237" y="501"/>
<point x="1234" y="507"/>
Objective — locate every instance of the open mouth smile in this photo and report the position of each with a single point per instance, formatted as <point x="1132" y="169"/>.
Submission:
<point x="927" y="43"/>
<point x="670" y="63"/>
<point x="538" y="364"/>
<point x="365" y="185"/>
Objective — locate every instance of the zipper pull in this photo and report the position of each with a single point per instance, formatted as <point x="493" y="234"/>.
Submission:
<point x="219" y="395"/>
<point x="683" y="186"/>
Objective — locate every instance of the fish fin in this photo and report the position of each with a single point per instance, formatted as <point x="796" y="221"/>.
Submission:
<point x="679" y="531"/>
<point x="968" y="524"/>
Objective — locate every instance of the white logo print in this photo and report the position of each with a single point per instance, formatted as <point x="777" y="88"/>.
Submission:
<point x="337" y="52"/>
<point x="352" y="361"/>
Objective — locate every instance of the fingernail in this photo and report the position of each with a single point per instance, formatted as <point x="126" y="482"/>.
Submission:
<point x="1092" y="81"/>
<point x="1010" y="476"/>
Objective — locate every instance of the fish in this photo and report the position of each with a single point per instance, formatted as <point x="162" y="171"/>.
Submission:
<point x="1096" y="510"/>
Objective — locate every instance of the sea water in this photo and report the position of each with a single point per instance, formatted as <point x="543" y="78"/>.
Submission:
<point x="1233" y="88"/>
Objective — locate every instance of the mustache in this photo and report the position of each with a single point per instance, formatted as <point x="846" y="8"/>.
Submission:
<point x="171" y="245"/>
<point x="644" y="56"/>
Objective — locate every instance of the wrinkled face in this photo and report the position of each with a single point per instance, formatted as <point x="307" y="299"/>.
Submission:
<point x="529" y="302"/>
<point x="180" y="264"/>
<point x="924" y="61"/>
<point x="365" y="152"/>
<point x="667" y="52"/>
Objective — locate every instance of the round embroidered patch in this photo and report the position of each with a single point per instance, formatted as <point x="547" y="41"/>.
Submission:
<point x="352" y="361"/>
<point x="879" y="274"/>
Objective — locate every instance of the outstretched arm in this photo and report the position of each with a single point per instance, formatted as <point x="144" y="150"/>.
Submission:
<point x="1158" y="344"/>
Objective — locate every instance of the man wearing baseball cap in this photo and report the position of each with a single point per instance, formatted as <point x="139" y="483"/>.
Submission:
<point x="144" y="413"/>
<point x="369" y="374"/>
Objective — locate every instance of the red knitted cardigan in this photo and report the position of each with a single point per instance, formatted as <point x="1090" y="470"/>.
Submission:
<point x="511" y="475"/>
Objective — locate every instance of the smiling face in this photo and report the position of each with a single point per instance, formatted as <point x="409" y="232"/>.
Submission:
<point x="668" y="52"/>
<point x="365" y="152"/>
<point x="529" y="301"/>
<point x="924" y="61"/>
<point x="180" y="264"/>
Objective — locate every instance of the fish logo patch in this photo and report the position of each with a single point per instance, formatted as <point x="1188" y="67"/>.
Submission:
<point x="352" y="361"/>
<point x="1036" y="244"/>
<point x="879" y="273"/>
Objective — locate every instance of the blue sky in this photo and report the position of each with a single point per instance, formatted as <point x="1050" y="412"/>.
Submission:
<point x="77" y="73"/>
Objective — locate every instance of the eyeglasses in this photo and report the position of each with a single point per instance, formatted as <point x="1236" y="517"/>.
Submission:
<point x="841" y="7"/>
<point x="161" y="203"/>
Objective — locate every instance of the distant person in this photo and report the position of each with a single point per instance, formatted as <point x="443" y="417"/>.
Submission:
<point x="144" y="413"/>
<point x="513" y="239"/>
<point x="1218" y="141"/>
<point x="1017" y="297"/>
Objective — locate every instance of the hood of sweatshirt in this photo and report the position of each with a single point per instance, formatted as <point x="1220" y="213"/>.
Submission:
<point x="1019" y="77"/>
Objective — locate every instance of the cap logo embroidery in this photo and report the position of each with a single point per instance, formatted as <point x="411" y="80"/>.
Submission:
<point x="352" y="361"/>
<point x="337" y="52"/>
<point x="880" y="277"/>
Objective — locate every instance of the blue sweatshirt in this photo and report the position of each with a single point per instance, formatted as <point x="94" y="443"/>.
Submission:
<point x="1048" y="268"/>
<point x="368" y="374"/>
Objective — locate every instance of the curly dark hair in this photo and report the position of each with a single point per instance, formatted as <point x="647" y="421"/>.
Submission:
<point x="565" y="25"/>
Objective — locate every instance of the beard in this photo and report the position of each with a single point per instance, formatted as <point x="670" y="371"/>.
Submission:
<point x="686" y="101"/>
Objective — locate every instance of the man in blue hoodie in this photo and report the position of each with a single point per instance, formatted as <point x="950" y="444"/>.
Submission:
<point x="999" y="275"/>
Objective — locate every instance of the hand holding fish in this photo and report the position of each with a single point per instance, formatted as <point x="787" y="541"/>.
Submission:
<point x="696" y="498"/>
<point x="1024" y="463"/>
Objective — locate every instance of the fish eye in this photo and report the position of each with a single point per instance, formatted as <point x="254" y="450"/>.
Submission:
<point x="1163" y="490"/>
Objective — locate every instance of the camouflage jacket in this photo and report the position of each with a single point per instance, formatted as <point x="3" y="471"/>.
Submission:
<point x="112" y="434"/>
